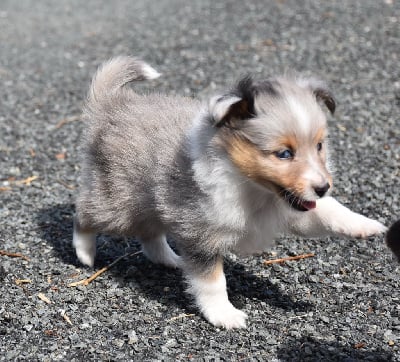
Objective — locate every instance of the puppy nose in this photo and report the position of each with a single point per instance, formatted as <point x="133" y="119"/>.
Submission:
<point x="321" y="190"/>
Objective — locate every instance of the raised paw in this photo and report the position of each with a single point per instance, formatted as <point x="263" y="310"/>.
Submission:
<point x="363" y="227"/>
<point x="374" y="228"/>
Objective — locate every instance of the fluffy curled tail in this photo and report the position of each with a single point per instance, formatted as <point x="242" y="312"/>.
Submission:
<point x="116" y="73"/>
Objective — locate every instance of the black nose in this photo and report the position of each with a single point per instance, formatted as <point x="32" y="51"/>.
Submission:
<point x="321" y="190"/>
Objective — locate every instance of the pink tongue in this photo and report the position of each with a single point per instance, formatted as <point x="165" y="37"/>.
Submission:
<point x="309" y="204"/>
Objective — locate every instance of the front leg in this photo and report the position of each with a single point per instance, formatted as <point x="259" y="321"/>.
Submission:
<point x="207" y="284"/>
<point x="332" y="218"/>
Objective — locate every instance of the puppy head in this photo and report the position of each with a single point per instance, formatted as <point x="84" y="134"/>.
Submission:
<point x="275" y="133"/>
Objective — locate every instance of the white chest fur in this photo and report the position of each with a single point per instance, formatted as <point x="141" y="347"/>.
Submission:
<point x="263" y="224"/>
<point x="247" y="216"/>
<point x="250" y="216"/>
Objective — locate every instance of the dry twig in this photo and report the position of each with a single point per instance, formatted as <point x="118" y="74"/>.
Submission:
<point x="180" y="316"/>
<point x="61" y="155"/>
<point x="282" y="260"/>
<point x="26" y="181"/>
<point x="66" y="318"/>
<point x="13" y="255"/>
<point x="67" y="120"/>
<point x="22" y="281"/>
<point x="87" y="281"/>
<point x="42" y="297"/>
<point x="359" y="345"/>
<point x="66" y="185"/>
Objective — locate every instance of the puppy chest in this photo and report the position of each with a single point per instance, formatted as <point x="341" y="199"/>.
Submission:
<point x="259" y="235"/>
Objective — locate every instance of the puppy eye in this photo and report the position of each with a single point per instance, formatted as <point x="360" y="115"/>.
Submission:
<point x="319" y="146"/>
<point x="285" y="154"/>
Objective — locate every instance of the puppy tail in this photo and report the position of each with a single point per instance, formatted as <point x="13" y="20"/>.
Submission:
<point x="116" y="73"/>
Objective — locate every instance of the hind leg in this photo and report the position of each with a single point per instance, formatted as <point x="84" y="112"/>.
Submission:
<point x="157" y="250"/>
<point x="84" y="242"/>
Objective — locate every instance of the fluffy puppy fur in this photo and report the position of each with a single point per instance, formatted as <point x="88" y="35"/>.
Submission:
<point x="227" y="176"/>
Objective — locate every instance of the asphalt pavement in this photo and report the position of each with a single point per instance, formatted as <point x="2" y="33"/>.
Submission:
<point x="343" y="304"/>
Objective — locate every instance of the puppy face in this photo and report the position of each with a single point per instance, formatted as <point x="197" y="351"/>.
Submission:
<point x="275" y="134"/>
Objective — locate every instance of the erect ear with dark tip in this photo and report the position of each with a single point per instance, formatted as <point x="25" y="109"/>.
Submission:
<point x="320" y="91"/>
<point x="235" y="106"/>
<point x="226" y="109"/>
<point x="325" y="96"/>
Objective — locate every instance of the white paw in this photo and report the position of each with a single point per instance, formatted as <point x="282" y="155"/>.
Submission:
<point x="175" y="262"/>
<point x="86" y="257"/>
<point x="226" y="316"/>
<point x="171" y="260"/>
<point x="338" y="219"/>
<point x="212" y="299"/>
<point x="159" y="252"/>
<point x="85" y="247"/>
<point x="363" y="227"/>
<point x="370" y="227"/>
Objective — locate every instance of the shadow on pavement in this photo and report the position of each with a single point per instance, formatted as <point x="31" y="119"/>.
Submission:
<point x="244" y="283"/>
<point x="55" y="226"/>
<point x="166" y="285"/>
<point x="310" y="349"/>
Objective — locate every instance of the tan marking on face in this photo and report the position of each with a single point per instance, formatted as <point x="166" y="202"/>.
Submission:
<point x="243" y="155"/>
<point x="270" y="171"/>
<point x="319" y="135"/>
<point x="288" y="142"/>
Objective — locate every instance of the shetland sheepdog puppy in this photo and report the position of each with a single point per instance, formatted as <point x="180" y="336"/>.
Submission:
<point x="228" y="175"/>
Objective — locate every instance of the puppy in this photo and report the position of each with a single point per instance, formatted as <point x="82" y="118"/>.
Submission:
<point x="224" y="177"/>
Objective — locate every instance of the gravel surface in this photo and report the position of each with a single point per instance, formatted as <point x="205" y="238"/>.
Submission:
<point x="341" y="305"/>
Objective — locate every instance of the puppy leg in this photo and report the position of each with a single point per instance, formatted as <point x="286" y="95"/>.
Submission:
<point x="158" y="251"/>
<point x="332" y="218"/>
<point x="209" y="291"/>
<point x="84" y="242"/>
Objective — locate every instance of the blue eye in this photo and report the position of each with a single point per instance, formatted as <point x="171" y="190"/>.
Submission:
<point x="285" y="154"/>
<point x="319" y="146"/>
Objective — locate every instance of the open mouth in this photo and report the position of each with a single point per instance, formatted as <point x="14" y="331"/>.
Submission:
<point x="296" y="202"/>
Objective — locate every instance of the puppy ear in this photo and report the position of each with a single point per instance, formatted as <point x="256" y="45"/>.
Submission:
<point x="325" y="96"/>
<point x="321" y="92"/>
<point x="226" y="108"/>
<point x="235" y="106"/>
